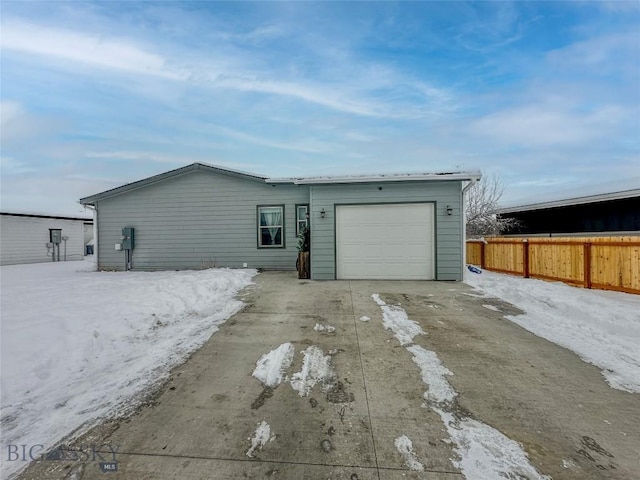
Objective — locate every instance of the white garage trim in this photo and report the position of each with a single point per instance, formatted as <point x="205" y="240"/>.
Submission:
<point x="385" y="241"/>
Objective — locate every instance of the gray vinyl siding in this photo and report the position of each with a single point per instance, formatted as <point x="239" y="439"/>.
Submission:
<point x="197" y="220"/>
<point x="442" y="193"/>
<point x="24" y="239"/>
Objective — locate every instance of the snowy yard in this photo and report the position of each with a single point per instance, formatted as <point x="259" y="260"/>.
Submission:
<point x="80" y="345"/>
<point x="602" y="327"/>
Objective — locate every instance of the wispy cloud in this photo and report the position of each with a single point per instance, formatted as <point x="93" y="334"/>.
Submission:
<point x="141" y="156"/>
<point x="160" y="158"/>
<point x="18" y="126"/>
<point x="12" y="166"/>
<point x="83" y="48"/>
<point x="538" y="92"/>
<point x="542" y="125"/>
<point x="606" y="53"/>
<point x="126" y="56"/>
<point x="308" y="146"/>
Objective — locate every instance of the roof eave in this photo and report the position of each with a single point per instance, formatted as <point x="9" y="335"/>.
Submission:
<point x="573" y="201"/>
<point x="458" y="176"/>
<point x="90" y="200"/>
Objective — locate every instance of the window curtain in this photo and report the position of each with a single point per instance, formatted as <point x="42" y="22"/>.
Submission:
<point x="270" y="218"/>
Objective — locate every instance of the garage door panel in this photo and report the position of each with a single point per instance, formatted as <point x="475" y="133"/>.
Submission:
<point x="385" y="241"/>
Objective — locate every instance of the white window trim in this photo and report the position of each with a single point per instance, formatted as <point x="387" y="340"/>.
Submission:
<point x="281" y="226"/>
<point x="299" y="220"/>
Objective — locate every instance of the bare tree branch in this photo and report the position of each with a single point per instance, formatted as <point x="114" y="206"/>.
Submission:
<point x="481" y="204"/>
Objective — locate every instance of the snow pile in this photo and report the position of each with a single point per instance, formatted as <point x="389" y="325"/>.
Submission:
<point x="433" y="375"/>
<point x="316" y="367"/>
<point x="271" y="366"/>
<point x="404" y="445"/>
<point x="394" y="318"/>
<point x="260" y="438"/>
<point x="79" y="345"/>
<point x="602" y="327"/>
<point x="324" y="328"/>
<point x="485" y="452"/>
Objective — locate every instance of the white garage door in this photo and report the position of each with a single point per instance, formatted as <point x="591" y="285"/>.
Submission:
<point x="393" y="242"/>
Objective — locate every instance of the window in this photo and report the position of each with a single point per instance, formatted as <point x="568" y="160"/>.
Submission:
<point x="302" y="219"/>
<point x="271" y="226"/>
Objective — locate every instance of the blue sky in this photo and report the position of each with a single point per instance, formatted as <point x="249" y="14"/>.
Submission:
<point x="546" y="95"/>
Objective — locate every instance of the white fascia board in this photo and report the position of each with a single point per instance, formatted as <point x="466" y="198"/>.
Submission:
<point x="461" y="176"/>
<point x="573" y="201"/>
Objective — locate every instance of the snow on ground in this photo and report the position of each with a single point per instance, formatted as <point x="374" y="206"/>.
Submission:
<point x="394" y="318"/>
<point x="271" y="366"/>
<point x="404" y="445"/>
<point x="484" y="452"/>
<point x="602" y="327"/>
<point x="79" y="345"/>
<point x="316" y="367"/>
<point x="324" y="328"/>
<point x="260" y="438"/>
<point x="433" y="375"/>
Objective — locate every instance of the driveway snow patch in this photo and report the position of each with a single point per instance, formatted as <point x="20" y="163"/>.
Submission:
<point x="271" y="366"/>
<point x="260" y="438"/>
<point x="394" y="318"/>
<point x="324" y="328"/>
<point x="80" y="345"/>
<point x="433" y="375"/>
<point x="316" y="367"/>
<point x="404" y="445"/>
<point x="484" y="452"/>
<point x="602" y="327"/>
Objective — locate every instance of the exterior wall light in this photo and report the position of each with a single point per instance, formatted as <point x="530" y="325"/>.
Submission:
<point x="449" y="210"/>
<point x="323" y="213"/>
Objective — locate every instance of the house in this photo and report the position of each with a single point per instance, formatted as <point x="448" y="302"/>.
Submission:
<point x="362" y="227"/>
<point x="614" y="212"/>
<point x="34" y="238"/>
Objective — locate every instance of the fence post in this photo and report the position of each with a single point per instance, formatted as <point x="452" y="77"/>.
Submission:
<point x="587" y="265"/>
<point x="482" y="255"/>
<point x="525" y="258"/>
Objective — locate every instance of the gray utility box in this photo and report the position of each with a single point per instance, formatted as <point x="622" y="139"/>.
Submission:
<point x="128" y="238"/>
<point x="55" y="235"/>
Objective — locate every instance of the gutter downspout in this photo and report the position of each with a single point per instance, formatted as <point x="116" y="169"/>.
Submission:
<point x="95" y="232"/>
<point x="464" y="224"/>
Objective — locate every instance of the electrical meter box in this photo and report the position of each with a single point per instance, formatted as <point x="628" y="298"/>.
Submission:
<point x="55" y="235"/>
<point x="128" y="238"/>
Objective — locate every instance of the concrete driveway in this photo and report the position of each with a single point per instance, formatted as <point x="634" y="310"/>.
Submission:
<point x="200" y="425"/>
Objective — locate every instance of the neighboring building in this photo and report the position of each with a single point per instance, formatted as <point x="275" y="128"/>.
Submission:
<point x="362" y="227"/>
<point x="24" y="237"/>
<point x="617" y="212"/>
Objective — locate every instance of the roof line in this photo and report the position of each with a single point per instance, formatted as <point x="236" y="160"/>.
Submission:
<point x="602" y="197"/>
<point x="444" y="176"/>
<point x="38" y="215"/>
<point x="165" y="176"/>
<point x="459" y="176"/>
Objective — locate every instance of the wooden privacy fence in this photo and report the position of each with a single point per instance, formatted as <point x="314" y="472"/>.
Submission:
<point x="606" y="263"/>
